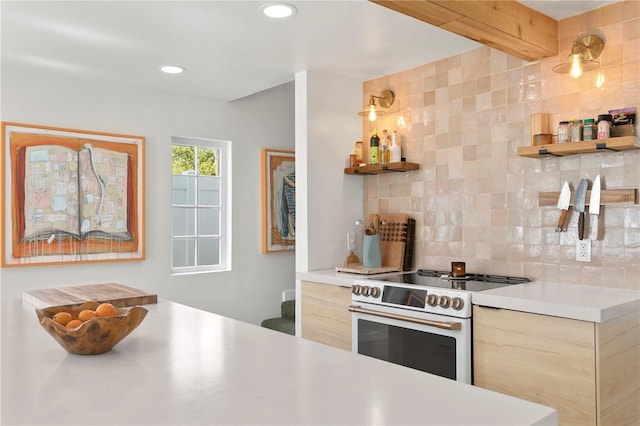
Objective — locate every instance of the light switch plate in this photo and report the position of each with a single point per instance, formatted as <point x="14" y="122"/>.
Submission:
<point x="583" y="250"/>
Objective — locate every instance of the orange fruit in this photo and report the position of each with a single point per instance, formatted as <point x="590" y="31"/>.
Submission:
<point x="62" y="318"/>
<point x="74" y="323"/>
<point x="106" y="310"/>
<point x="86" y="315"/>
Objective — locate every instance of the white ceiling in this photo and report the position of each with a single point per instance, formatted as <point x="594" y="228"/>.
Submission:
<point x="229" y="49"/>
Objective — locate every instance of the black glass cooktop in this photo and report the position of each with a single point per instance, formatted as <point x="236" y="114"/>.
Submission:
<point x="472" y="282"/>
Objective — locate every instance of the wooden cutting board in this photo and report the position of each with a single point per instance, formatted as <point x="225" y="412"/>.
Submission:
<point x="119" y="295"/>
<point x="393" y="238"/>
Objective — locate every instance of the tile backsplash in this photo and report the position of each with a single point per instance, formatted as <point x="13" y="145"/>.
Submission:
<point x="462" y="119"/>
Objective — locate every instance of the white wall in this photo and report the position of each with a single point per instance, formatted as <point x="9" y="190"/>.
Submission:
<point x="329" y="202"/>
<point x="252" y="290"/>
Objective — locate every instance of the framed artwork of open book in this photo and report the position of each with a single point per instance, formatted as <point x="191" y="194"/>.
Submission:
<point x="71" y="196"/>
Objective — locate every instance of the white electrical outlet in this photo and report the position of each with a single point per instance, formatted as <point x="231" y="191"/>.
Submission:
<point x="583" y="250"/>
<point x="351" y="241"/>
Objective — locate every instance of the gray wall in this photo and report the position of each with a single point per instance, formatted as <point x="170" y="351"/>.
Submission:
<point x="252" y="290"/>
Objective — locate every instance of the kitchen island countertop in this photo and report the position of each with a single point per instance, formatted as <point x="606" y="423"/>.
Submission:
<point x="187" y="366"/>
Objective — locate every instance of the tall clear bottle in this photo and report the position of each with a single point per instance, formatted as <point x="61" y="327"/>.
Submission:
<point x="385" y="144"/>
<point x="395" y="150"/>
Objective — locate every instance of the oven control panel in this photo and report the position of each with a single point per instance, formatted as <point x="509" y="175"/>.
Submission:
<point x="425" y="299"/>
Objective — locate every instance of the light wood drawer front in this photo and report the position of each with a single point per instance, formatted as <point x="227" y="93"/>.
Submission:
<point x="539" y="358"/>
<point x="618" y="353"/>
<point x="325" y="315"/>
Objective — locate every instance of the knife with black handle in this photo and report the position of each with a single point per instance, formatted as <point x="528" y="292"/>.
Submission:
<point x="579" y="205"/>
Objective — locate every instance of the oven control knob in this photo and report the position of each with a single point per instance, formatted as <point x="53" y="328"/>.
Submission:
<point x="356" y="290"/>
<point x="444" y="301"/>
<point x="366" y="290"/>
<point x="457" y="303"/>
<point x="375" y="292"/>
<point x="432" y="300"/>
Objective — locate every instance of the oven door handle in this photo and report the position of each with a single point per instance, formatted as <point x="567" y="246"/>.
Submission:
<point x="439" y="324"/>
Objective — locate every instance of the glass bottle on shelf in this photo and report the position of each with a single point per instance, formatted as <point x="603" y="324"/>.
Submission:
<point x="396" y="151"/>
<point x="385" y="144"/>
<point x="374" y="148"/>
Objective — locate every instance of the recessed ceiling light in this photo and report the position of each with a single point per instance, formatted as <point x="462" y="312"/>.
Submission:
<point x="172" y="69"/>
<point x="278" y="10"/>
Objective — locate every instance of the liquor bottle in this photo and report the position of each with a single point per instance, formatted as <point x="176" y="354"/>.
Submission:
<point x="396" y="151"/>
<point x="385" y="144"/>
<point x="374" y="148"/>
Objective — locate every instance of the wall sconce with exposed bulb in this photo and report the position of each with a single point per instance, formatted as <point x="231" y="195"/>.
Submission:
<point x="584" y="53"/>
<point x="372" y="111"/>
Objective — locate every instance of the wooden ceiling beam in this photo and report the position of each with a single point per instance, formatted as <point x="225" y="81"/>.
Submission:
<point x="506" y="25"/>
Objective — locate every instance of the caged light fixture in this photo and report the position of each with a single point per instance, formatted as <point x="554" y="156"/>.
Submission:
<point x="372" y="111"/>
<point x="584" y="53"/>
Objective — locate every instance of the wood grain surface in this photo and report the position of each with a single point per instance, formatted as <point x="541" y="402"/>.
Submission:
<point x="392" y="246"/>
<point x="607" y="196"/>
<point x="325" y="314"/>
<point x="119" y="295"/>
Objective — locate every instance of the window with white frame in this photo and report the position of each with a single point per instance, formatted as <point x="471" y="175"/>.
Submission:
<point x="200" y="205"/>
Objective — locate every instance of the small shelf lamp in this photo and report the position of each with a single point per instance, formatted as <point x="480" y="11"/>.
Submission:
<point x="584" y="53"/>
<point x="372" y="111"/>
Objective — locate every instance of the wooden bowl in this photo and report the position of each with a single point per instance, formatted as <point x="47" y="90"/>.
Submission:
<point x="96" y="336"/>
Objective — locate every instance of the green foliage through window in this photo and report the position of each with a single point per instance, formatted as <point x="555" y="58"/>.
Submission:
<point x="184" y="160"/>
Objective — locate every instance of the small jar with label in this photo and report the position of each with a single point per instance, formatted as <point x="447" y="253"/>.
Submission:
<point x="589" y="130"/>
<point x="357" y="150"/>
<point x="604" y="125"/>
<point x="563" y="132"/>
<point x="576" y="131"/>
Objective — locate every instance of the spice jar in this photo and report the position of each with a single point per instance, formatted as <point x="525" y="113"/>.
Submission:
<point x="563" y="132"/>
<point x="589" y="130"/>
<point x="358" y="151"/>
<point x="576" y="131"/>
<point x="604" y="125"/>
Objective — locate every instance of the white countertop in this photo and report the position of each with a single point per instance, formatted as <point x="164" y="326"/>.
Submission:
<point x="344" y="279"/>
<point x="580" y="302"/>
<point x="186" y="366"/>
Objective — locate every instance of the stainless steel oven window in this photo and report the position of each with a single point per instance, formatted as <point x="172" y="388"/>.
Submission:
<point x="407" y="347"/>
<point x="434" y="350"/>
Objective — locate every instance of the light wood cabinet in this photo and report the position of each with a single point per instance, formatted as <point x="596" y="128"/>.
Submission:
<point x="589" y="372"/>
<point x="325" y="315"/>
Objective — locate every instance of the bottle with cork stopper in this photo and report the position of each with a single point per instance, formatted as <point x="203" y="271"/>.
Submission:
<point x="374" y="148"/>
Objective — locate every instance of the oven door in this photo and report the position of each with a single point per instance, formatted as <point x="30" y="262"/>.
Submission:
<point x="435" y="344"/>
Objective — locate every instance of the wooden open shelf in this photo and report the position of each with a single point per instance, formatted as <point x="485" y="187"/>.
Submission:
<point x="374" y="169"/>
<point x="621" y="143"/>
<point x="607" y="196"/>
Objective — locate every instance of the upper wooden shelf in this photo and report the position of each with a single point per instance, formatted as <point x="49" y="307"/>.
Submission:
<point x="374" y="169"/>
<point x="621" y="143"/>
